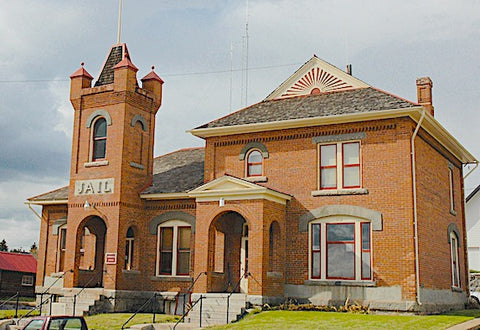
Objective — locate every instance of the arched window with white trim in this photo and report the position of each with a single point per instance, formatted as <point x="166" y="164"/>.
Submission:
<point x="99" y="139"/>
<point x="129" y="249"/>
<point x="173" y="248"/>
<point x="254" y="163"/>
<point x="454" y="260"/>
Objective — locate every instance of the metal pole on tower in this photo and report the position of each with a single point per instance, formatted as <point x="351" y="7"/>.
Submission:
<point x="246" y="55"/>
<point x="119" y="21"/>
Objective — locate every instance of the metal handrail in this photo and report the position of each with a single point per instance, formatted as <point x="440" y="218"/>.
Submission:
<point x="189" y="309"/>
<point x="16" y="295"/>
<point x="35" y="308"/>
<point x="141" y="308"/>
<point x="83" y="288"/>
<point x="233" y="291"/>
<point x="188" y="291"/>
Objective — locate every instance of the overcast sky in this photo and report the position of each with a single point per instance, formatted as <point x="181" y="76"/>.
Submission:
<point x="388" y="43"/>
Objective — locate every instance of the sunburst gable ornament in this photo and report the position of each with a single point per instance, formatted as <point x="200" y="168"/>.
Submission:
<point x="316" y="81"/>
<point x="315" y="77"/>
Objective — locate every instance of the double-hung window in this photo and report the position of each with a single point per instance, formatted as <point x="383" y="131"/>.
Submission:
<point x="340" y="250"/>
<point x="99" y="139"/>
<point x="454" y="260"/>
<point x="173" y="252"/>
<point x="339" y="165"/>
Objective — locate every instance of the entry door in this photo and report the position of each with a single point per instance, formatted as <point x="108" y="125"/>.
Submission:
<point x="62" y="239"/>
<point x="244" y="260"/>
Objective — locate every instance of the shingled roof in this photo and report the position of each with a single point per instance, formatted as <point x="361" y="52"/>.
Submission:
<point x="175" y="172"/>
<point x="116" y="54"/>
<point x="178" y="171"/>
<point x="311" y="106"/>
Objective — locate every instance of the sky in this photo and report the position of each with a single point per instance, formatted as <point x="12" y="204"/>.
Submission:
<point x="198" y="48"/>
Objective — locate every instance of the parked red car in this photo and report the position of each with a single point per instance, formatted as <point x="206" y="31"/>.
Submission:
<point x="56" y="323"/>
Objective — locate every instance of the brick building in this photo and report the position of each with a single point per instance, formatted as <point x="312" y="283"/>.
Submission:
<point x="326" y="190"/>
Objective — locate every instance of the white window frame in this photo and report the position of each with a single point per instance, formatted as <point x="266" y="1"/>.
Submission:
<point x="129" y="254"/>
<point x="339" y="165"/>
<point x="92" y="132"/>
<point x="62" y="233"/>
<point x="27" y="280"/>
<point x="175" y="224"/>
<point x="455" y="268"/>
<point x="323" y="247"/>
<point x="247" y="175"/>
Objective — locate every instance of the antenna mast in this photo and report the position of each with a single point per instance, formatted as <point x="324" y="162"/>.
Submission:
<point x="246" y="55"/>
<point x="119" y="21"/>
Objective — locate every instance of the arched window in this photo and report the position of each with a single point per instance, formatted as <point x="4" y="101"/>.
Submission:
<point x="254" y="163"/>
<point x="454" y="260"/>
<point x="129" y="249"/>
<point x="99" y="139"/>
<point x="173" y="248"/>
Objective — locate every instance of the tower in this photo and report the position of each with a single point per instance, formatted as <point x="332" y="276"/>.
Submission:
<point x="111" y="162"/>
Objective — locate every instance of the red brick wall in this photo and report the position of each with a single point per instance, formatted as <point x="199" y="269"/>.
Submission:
<point x="292" y="168"/>
<point x="433" y="192"/>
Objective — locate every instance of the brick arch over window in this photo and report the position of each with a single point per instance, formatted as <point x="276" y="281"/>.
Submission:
<point x="374" y="217"/>
<point x="172" y="215"/>
<point x="253" y="145"/>
<point x="99" y="113"/>
<point x="453" y="228"/>
<point x="139" y="118"/>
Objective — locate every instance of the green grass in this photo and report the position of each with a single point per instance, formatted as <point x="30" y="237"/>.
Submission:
<point x="330" y="320"/>
<point x="9" y="313"/>
<point x="115" y="320"/>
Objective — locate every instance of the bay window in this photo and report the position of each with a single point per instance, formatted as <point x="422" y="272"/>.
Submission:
<point x="340" y="250"/>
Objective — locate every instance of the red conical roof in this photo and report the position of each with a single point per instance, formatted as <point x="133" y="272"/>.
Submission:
<point x="81" y="73"/>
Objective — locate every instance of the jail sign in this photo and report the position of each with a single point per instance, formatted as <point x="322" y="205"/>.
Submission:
<point x="94" y="187"/>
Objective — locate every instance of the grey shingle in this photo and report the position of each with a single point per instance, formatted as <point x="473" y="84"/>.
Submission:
<point x="106" y="76"/>
<point x="311" y="106"/>
<point x="178" y="171"/>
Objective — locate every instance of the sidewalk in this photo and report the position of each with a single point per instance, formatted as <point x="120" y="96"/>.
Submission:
<point x="472" y="324"/>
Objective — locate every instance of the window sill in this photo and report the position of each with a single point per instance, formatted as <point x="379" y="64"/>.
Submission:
<point x="168" y="278"/>
<point x="131" y="272"/>
<point x="96" y="164"/>
<point x="275" y="274"/>
<point x="340" y="192"/>
<point x="256" y="179"/>
<point x="456" y="289"/>
<point x="340" y="283"/>
<point x="453" y="212"/>
<point x="137" y="165"/>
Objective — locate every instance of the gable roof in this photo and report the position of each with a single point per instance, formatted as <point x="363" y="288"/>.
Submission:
<point x="311" y="106"/>
<point x="230" y="187"/>
<point x="175" y="172"/>
<point x="316" y="76"/>
<point x="18" y="262"/>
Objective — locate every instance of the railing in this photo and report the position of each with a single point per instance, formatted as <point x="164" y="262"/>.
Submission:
<point x="189" y="292"/>
<point x="43" y="302"/>
<point x="245" y="275"/>
<point x="83" y="288"/>
<point x="16" y="295"/>
<point x="189" y="309"/>
<point x="153" y="299"/>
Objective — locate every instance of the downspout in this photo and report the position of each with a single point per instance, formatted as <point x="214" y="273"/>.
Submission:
<point x="415" y="220"/>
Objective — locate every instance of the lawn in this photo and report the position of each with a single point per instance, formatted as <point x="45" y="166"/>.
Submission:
<point x="9" y="313"/>
<point x="116" y="320"/>
<point x="330" y="320"/>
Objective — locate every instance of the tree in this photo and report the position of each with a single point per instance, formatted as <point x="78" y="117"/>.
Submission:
<point x="3" y="245"/>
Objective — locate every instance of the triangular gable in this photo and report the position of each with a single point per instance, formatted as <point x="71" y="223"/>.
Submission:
<point x="232" y="188"/>
<point x="316" y="76"/>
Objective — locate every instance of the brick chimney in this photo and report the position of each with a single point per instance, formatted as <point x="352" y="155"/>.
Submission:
<point x="424" y="93"/>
